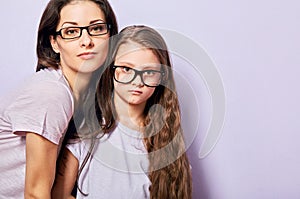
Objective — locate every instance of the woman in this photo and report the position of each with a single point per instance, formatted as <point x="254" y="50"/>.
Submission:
<point x="72" y="45"/>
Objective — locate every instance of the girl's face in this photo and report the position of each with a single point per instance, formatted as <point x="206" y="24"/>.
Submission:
<point x="131" y="55"/>
<point x="86" y="53"/>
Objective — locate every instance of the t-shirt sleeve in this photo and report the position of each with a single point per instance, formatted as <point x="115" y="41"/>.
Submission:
<point x="43" y="108"/>
<point x="79" y="148"/>
<point x="75" y="149"/>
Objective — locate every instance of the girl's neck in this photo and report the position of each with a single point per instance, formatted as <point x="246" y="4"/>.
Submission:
<point x="130" y="115"/>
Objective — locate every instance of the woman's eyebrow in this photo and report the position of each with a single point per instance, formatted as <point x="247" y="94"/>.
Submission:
<point x="69" y="22"/>
<point x="76" y="24"/>
<point x="97" y="20"/>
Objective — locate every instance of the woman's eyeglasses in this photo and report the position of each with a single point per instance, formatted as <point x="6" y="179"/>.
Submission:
<point x="74" y="32"/>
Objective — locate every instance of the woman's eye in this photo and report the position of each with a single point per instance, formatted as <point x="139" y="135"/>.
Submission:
<point x="99" y="28"/>
<point x="71" y="31"/>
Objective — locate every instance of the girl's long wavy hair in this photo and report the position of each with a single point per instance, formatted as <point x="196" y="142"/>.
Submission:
<point x="169" y="168"/>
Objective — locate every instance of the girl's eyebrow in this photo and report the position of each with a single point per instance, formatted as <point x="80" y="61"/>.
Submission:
<point x="156" y="68"/>
<point x="125" y="63"/>
<point x="143" y="67"/>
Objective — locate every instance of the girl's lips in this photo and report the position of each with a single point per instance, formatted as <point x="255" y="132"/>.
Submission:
<point x="87" y="55"/>
<point x="135" y="92"/>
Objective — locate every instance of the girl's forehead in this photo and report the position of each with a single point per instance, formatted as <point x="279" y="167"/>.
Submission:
<point x="127" y="48"/>
<point x="136" y="55"/>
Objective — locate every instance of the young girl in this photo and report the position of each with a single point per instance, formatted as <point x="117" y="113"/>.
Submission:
<point x="142" y="152"/>
<point x="72" y="44"/>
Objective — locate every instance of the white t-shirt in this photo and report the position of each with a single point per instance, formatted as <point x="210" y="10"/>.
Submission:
<point x="118" y="167"/>
<point x="43" y="105"/>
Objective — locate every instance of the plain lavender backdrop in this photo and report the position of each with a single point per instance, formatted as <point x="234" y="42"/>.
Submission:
<point x="255" y="47"/>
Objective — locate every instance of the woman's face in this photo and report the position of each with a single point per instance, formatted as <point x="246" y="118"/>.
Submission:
<point x="133" y="56"/>
<point x="86" y="53"/>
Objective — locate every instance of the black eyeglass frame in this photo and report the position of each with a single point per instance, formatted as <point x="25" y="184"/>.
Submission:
<point x="136" y="73"/>
<point x="108" y="27"/>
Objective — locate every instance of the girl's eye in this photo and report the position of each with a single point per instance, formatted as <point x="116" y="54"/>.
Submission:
<point x="126" y="69"/>
<point x="150" y="72"/>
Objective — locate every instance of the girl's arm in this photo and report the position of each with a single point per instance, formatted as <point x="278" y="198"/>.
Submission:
<point x="41" y="157"/>
<point x="66" y="175"/>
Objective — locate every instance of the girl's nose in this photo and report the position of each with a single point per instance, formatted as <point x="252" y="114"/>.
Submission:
<point x="137" y="81"/>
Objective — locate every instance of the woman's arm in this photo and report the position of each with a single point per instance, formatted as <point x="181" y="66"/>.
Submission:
<point x="66" y="175"/>
<point x="41" y="157"/>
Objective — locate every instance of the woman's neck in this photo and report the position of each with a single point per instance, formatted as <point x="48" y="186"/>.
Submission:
<point x="78" y="82"/>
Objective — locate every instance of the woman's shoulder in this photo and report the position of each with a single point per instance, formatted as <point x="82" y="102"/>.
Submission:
<point x="46" y="88"/>
<point x="49" y="75"/>
<point x="50" y="83"/>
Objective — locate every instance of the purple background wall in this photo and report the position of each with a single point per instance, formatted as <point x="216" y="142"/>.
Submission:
<point x="251" y="47"/>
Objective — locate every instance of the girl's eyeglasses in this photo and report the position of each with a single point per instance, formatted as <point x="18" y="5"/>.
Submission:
<point x="125" y="75"/>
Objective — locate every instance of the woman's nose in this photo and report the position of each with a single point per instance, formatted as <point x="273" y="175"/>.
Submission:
<point x="86" y="39"/>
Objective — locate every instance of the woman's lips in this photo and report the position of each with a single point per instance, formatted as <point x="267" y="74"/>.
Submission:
<point x="86" y="55"/>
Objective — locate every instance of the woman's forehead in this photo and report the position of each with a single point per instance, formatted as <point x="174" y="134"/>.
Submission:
<point x="81" y="13"/>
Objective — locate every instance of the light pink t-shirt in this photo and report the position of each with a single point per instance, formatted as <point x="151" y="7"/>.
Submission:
<point x="43" y="105"/>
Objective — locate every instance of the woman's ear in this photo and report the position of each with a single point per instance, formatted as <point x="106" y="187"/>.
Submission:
<point x="54" y="44"/>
